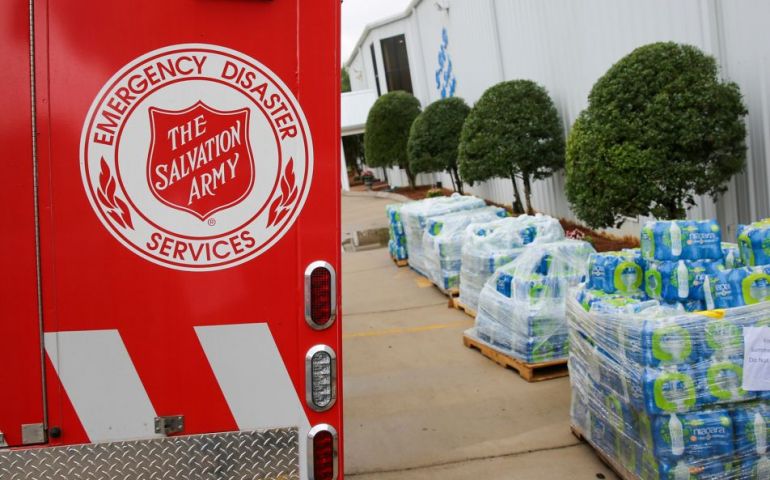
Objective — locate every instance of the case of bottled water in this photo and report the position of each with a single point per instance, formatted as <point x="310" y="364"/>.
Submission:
<point x="680" y="280"/>
<point x="681" y="239"/>
<point x="617" y="272"/>
<point x="754" y="243"/>
<point x="738" y="287"/>
<point x="731" y="253"/>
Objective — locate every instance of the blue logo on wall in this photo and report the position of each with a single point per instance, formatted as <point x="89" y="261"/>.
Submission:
<point x="446" y="83"/>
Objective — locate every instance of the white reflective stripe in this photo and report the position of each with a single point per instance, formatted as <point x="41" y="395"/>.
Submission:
<point x="102" y="384"/>
<point x="254" y="380"/>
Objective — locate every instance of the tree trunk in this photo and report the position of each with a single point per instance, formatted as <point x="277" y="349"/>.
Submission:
<point x="517" y="207"/>
<point x="675" y="210"/>
<point x="528" y="193"/>
<point x="451" y="177"/>
<point x="409" y="175"/>
<point x="385" y="175"/>
<point x="458" y="183"/>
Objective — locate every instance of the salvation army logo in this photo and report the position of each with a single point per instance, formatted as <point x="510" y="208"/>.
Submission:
<point x="196" y="157"/>
<point x="223" y="158"/>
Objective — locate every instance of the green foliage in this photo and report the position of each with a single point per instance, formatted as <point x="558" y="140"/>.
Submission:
<point x="434" y="138"/>
<point x="435" y="135"/>
<point x="513" y="130"/>
<point x="660" y="128"/>
<point x="345" y="80"/>
<point x="434" y="192"/>
<point x="387" y="130"/>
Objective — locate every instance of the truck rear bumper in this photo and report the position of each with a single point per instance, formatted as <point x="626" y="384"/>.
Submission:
<point x="261" y="454"/>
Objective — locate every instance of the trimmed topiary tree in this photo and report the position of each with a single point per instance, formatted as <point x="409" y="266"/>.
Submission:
<point x="660" y="128"/>
<point x="387" y="131"/>
<point x="344" y="80"/>
<point x="434" y="138"/>
<point x="512" y="131"/>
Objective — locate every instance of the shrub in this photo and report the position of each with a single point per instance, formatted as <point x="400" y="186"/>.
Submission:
<point x="344" y="80"/>
<point x="434" y="138"/>
<point x="387" y="131"/>
<point x="660" y="128"/>
<point x="512" y="131"/>
<point x="434" y="192"/>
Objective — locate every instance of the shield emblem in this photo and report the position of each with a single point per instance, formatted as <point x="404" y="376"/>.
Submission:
<point x="200" y="159"/>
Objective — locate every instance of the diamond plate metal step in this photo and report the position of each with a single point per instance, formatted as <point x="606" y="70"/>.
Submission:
<point x="265" y="454"/>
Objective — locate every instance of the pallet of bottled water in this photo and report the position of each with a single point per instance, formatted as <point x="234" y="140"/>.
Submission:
<point x="442" y="243"/>
<point x="396" y="234"/>
<point x="660" y="391"/>
<point x="415" y="216"/>
<point x="658" y="358"/>
<point x="488" y="246"/>
<point x="522" y="307"/>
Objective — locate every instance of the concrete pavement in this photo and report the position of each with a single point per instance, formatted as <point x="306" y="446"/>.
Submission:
<point x="361" y="213"/>
<point x="419" y="405"/>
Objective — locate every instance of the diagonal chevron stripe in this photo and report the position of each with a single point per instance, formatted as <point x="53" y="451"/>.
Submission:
<point x="253" y="378"/>
<point x="102" y="383"/>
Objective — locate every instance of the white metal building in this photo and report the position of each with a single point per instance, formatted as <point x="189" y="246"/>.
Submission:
<point x="465" y="46"/>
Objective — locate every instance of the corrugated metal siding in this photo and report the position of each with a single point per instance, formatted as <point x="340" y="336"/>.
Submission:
<point x="746" y="41"/>
<point x="566" y="45"/>
<point x="428" y="25"/>
<point x="475" y="54"/>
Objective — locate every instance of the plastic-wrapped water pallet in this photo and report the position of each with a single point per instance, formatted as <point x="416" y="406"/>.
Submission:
<point x="658" y="391"/>
<point x="442" y="244"/>
<point x="397" y="237"/>
<point x="415" y="215"/>
<point x="487" y="246"/>
<point x="522" y="307"/>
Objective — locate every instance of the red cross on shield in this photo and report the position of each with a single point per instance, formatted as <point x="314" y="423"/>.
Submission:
<point x="200" y="159"/>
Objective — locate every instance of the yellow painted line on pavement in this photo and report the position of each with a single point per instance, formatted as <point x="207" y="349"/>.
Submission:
<point x="402" y="331"/>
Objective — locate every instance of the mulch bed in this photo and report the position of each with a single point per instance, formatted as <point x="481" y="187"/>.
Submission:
<point x="602" y="242"/>
<point x="418" y="193"/>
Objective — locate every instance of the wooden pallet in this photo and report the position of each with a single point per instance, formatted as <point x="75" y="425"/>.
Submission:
<point x="531" y="372"/>
<point x="425" y="281"/>
<point x="400" y="263"/>
<point x="454" y="302"/>
<point x="611" y="463"/>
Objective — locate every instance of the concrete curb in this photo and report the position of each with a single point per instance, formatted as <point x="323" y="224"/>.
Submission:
<point x="392" y="196"/>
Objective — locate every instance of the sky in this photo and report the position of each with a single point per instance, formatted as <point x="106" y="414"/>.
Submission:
<point x="357" y="13"/>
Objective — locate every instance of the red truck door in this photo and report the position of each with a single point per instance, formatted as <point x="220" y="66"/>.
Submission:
<point x="22" y="414"/>
<point x="189" y="226"/>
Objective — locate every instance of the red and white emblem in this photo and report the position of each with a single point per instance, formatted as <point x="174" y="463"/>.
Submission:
<point x="200" y="159"/>
<point x="196" y="157"/>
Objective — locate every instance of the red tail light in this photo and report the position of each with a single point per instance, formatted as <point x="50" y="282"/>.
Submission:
<point x="320" y="295"/>
<point x="322" y="452"/>
<point x="323" y="456"/>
